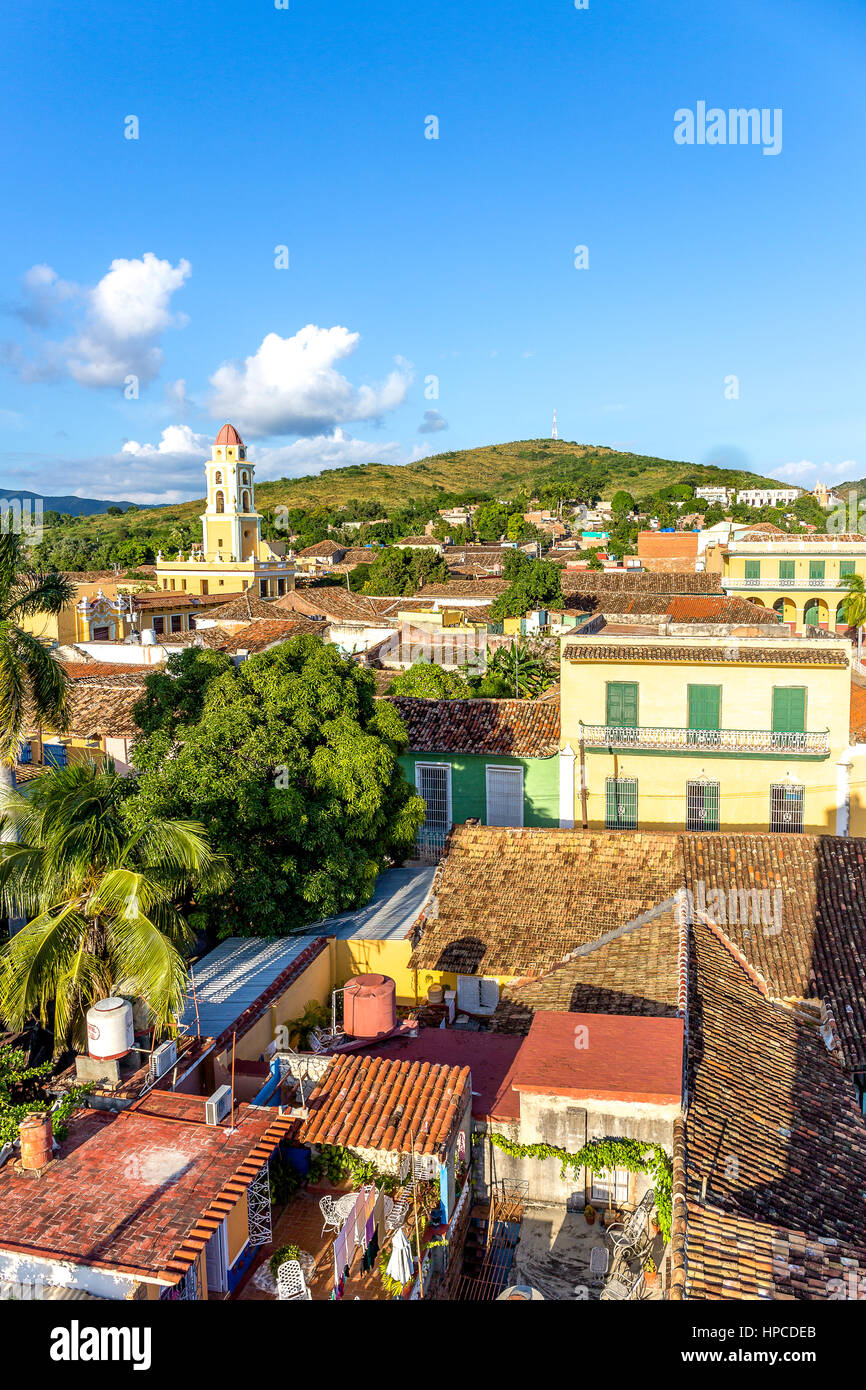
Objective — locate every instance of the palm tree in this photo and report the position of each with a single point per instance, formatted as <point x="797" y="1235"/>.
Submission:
<point x="854" y="608"/>
<point x="100" y="887"/>
<point x="31" y="681"/>
<point x="526" y="675"/>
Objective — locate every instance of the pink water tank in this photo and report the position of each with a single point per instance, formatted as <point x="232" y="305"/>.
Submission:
<point x="369" y="1006"/>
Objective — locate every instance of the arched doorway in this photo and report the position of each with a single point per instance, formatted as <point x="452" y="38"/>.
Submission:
<point x="220" y="502"/>
<point x="786" y="609"/>
<point x="816" y="613"/>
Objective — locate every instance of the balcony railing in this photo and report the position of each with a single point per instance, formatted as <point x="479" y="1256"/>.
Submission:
<point x="734" y="583"/>
<point x="706" y="740"/>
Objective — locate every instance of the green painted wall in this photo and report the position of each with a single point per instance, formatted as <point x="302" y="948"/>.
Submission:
<point x="469" y="786"/>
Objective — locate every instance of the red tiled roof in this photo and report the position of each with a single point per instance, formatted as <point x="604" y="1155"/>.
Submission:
<point x="637" y="582"/>
<point x="323" y="549"/>
<point x="490" y="1056"/>
<point x="617" y="1057"/>
<point x="520" y="728"/>
<point x="228" y="435"/>
<point x="712" y="608"/>
<point x="139" y="1192"/>
<point x="172" y="599"/>
<point x="858" y="708"/>
<point x="815" y="655"/>
<point x="375" y="1103"/>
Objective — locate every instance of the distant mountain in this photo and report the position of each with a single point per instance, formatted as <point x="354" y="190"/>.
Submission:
<point x="69" y="506"/>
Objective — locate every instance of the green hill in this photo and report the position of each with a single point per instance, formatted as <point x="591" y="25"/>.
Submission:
<point x="496" y="471"/>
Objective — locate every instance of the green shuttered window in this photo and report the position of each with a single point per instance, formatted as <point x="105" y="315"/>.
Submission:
<point x="622" y="704"/>
<point x="789" y="709"/>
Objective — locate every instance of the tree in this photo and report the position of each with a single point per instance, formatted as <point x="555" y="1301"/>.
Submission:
<point x="490" y="521"/>
<point x="174" y="695"/>
<point x="101" y="891"/>
<point x="114" y="511"/>
<point x="535" y="584"/>
<point x="425" y="680"/>
<point x="525" y="675"/>
<point x="292" y="763"/>
<point x="622" y="502"/>
<point x="854" y="608"/>
<point x="29" y="675"/>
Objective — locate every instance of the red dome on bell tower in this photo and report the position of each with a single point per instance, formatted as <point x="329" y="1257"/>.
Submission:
<point x="228" y="435"/>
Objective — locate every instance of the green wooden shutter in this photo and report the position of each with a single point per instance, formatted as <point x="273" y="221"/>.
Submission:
<point x="705" y="706"/>
<point x="812" y="613"/>
<point x="846" y="567"/>
<point x="816" y="569"/>
<point x="786" y="569"/>
<point x="789" y="709"/>
<point x="622" y="704"/>
<point x="753" y="569"/>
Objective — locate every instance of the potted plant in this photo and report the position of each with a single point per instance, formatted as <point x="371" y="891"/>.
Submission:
<point x="650" y="1272"/>
<point x="589" y="1213"/>
<point x="654" y="1224"/>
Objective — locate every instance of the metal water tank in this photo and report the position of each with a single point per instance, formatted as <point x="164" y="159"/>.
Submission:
<point x="369" y="1006"/>
<point x="37" y="1140"/>
<point x="109" y="1029"/>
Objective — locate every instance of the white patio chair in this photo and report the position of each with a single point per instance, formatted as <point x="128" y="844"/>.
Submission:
<point x="291" y="1284"/>
<point x="330" y="1214"/>
<point x="396" y="1214"/>
<point x="623" y="1289"/>
<point x="599" y="1258"/>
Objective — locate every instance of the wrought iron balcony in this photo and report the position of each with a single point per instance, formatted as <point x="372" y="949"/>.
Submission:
<point x="740" y="583"/>
<point x="816" y="744"/>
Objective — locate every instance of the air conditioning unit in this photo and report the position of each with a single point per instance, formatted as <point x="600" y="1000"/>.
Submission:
<point x="163" y="1059"/>
<point x="218" y="1105"/>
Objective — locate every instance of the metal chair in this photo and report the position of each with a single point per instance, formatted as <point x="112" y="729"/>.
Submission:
<point x="291" y="1284"/>
<point x="622" y="1289"/>
<point x="328" y="1208"/>
<point x="633" y="1233"/>
<point x="599" y="1258"/>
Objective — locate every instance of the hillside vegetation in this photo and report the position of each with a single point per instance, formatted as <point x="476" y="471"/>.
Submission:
<point x="495" y="471"/>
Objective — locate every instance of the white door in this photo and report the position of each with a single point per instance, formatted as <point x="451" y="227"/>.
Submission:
<point x="505" y="796"/>
<point x="216" y="1259"/>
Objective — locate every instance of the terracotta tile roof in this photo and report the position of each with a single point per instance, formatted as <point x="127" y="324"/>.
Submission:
<point x="137" y="1193"/>
<point x="333" y="602"/>
<point x="420" y="540"/>
<point x="517" y="902"/>
<point x="376" y="1103"/>
<point x="100" y="700"/>
<point x="774" y="1130"/>
<point x="465" y="588"/>
<point x="683" y="545"/>
<point x="637" y="582"/>
<point x="805" y="939"/>
<point x="636" y="973"/>
<point x="712" y="608"/>
<point x="245" y="607"/>
<point x="817" y="655"/>
<point x="170" y="600"/>
<point x="323" y="549"/>
<point x="491" y="1060"/>
<point x="517" y="727"/>
<point x="762" y="528"/>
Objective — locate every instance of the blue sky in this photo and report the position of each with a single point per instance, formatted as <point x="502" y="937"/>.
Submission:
<point x="411" y="258"/>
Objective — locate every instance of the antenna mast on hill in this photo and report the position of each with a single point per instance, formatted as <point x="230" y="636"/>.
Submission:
<point x="554" y="433"/>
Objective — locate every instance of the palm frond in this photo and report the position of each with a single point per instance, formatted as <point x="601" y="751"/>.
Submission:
<point x="37" y="592"/>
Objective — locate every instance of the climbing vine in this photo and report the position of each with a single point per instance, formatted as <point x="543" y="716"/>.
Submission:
<point x="603" y="1156"/>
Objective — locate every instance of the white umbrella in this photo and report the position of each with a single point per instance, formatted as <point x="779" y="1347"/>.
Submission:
<point x="401" y="1264"/>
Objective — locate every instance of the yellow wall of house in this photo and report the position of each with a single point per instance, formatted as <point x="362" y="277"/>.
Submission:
<point x="746" y="704"/>
<point x="315" y="983"/>
<point x="237" y="1229"/>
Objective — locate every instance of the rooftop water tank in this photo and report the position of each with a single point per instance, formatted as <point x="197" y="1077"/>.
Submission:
<point x="148" y="637"/>
<point x="109" y="1029"/>
<point x="369" y="1006"/>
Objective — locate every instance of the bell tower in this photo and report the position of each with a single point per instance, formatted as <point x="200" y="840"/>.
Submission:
<point x="231" y="526"/>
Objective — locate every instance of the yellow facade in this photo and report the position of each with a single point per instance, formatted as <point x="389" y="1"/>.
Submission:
<point x="662" y="769"/>
<point x="231" y="555"/>
<point x="803" y="581"/>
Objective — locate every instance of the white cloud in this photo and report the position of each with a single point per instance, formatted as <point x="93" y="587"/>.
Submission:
<point x="807" y="472"/>
<point x="315" y="455"/>
<point x="176" y="440"/>
<point x="291" y="386"/>
<point x="115" y="326"/>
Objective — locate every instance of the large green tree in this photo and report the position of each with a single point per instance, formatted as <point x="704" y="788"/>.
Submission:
<point x="427" y="681"/>
<point x="533" y="584"/>
<point x="102" y="891"/>
<point x="292" y="764"/>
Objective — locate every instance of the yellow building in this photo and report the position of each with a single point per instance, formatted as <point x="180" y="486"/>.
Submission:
<point x="708" y="732"/>
<point x="231" y="555"/>
<point x="802" y="578"/>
